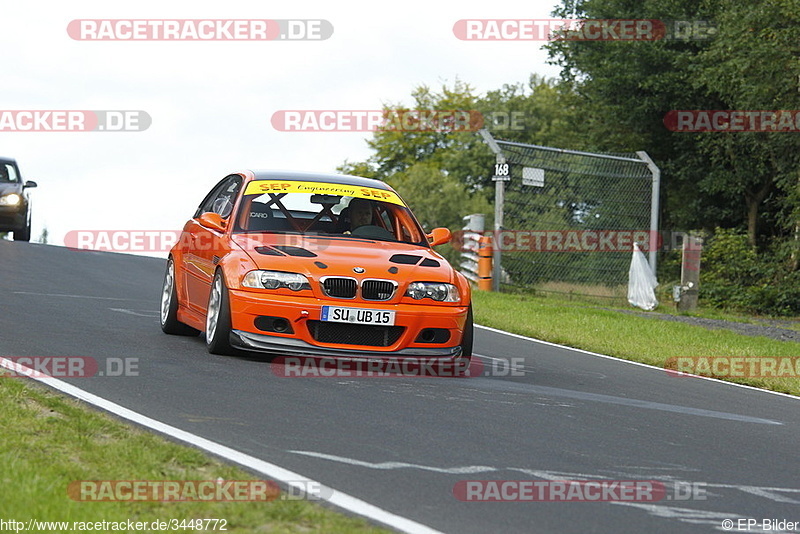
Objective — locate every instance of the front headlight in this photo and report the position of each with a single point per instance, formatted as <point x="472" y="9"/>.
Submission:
<point x="275" y="280"/>
<point x="12" y="199"/>
<point x="433" y="290"/>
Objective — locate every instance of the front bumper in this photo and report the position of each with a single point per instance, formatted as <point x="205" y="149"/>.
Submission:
<point x="13" y="217"/>
<point x="248" y="306"/>
<point x="297" y="347"/>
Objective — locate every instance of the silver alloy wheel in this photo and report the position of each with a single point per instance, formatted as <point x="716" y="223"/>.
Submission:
<point x="212" y="317"/>
<point x="166" y="293"/>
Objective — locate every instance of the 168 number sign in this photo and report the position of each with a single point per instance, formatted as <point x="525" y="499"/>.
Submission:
<point x="502" y="171"/>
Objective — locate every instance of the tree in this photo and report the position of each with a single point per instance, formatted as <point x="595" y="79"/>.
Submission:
<point x="754" y="64"/>
<point x="551" y="113"/>
<point x="436" y="197"/>
<point x="626" y="89"/>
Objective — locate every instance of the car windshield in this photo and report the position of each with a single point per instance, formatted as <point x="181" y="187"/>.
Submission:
<point x="365" y="213"/>
<point x="7" y="173"/>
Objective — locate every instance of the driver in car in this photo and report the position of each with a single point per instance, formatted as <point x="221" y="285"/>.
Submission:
<point x="360" y="212"/>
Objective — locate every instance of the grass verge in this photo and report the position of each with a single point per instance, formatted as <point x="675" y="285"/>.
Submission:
<point x="641" y="339"/>
<point x="48" y="441"/>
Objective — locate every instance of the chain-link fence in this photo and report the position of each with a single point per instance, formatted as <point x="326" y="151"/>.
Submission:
<point x="570" y="218"/>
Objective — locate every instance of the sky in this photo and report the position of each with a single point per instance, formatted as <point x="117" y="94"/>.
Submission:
<point x="211" y="101"/>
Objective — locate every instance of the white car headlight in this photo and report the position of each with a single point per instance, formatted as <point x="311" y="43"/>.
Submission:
<point x="12" y="199"/>
<point x="437" y="291"/>
<point x="275" y="280"/>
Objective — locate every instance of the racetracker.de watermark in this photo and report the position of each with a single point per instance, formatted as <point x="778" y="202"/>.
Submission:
<point x="600" y="490"/>
<point x="582" y="29"/>
<point x="566" y="240"/>
<point x="734" y="366"/>
<point x="66" y="367"/>
<point x="162" y="241"/>
<point x="366" y="120"/>
<point x="200" y="29"/>
<point x="60" y="120"/>
<point x="141" y="241"/>
<point x="195" y="490"/>
<point x="192" y="490"/>
<point x="308" y="367"/>
<point x="703" y="120"/>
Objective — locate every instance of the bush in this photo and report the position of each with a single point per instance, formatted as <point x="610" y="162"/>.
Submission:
<point x="734" y="276"/>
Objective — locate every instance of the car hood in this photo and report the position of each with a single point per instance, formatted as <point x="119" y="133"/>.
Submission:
<point x="339" y="256"/>
<point x="10" y="187"/>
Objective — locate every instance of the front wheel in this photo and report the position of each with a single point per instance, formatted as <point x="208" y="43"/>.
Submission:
<point x="463" y="361"/>
<point x="24" y="233"/>
<point x="169" y="306"/>
<point x="218" y="318"/>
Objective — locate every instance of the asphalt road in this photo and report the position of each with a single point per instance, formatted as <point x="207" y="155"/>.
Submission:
<point x="403" y="443"/>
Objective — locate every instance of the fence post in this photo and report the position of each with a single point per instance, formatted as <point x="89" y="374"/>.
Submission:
<point x="499" y="179"/>
<point x="690" y="273"/>
<point x="654" y="205"/>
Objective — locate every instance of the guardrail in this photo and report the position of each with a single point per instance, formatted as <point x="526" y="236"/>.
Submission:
<point x="476" y="252"/>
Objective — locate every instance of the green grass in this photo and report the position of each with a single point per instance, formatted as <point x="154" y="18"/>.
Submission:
<point x="48" y="441"/>
<point x="628" y="336"/>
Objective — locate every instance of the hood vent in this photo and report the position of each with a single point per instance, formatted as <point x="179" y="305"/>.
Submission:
<point x="405" y="259"/>
<point x="296" y="251"/>
<point x="410" y="259"/>
<point x="268" y="251"/>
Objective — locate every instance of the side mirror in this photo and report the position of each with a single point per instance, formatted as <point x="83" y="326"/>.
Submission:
<point x="439" y="236"/>
<point x="29" y="184"/>
<point x="212" y="221"/>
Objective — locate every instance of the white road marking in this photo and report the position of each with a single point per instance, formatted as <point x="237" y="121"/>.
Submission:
<point x="686" y="515"/>
<point x="607" y="357"/>
<point x="136" y="313"/>
<point x="491" y="358"/>
<point x="470" y="469"/>
<point x="769" y="493"/>
<point x="69" y="296"/>
<point x="275" y="472"/>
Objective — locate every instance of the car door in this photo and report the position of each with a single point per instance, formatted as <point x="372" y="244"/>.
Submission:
<point x="205" y="246"/>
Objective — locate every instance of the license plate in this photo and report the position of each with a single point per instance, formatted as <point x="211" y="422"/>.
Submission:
<point x="338" y="314"/>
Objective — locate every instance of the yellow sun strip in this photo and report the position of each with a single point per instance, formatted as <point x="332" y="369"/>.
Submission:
<point x="323" y="188"/>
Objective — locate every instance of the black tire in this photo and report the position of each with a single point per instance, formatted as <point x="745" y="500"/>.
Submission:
<point x="218" y="318"/>
<point x="463" y="361"/>
<point x="169" y="306"/>
<point x="24" y="233"/>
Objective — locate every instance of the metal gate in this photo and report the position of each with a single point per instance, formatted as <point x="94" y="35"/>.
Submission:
<point x="566" y="221"/>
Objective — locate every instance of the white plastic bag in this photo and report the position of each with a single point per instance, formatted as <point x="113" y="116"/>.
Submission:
<point x="641" y="282"/>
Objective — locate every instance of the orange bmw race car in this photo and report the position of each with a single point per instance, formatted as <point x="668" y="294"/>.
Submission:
<point x="315" y="265"/>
